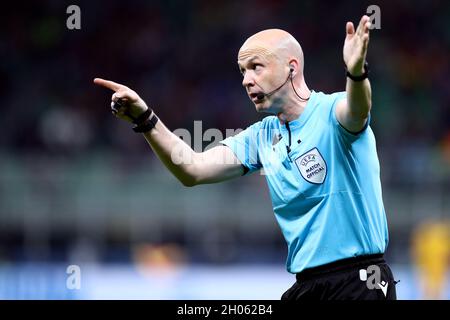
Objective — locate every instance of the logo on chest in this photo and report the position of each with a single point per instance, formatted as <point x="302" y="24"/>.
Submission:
<point x="312" y="166"/>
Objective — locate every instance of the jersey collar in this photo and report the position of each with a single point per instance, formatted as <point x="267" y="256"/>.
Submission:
<point x="303" y="118"/>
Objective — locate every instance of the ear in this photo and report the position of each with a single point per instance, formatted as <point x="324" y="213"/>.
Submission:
<point x="293" y="67"/>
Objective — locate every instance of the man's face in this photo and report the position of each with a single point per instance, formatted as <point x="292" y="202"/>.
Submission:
<point x="262" y="72"/>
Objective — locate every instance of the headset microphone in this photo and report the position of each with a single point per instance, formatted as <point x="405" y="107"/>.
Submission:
<point x="261" y="95"/>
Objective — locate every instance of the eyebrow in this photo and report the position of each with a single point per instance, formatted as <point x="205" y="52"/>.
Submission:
<point x="249" y="60"/>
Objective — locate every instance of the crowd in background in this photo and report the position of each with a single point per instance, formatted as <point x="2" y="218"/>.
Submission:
<point x="180" y="56"/>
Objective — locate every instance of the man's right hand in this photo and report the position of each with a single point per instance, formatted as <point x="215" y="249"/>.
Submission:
<point x="214" y="165"/>
<point x="132" y="104"/>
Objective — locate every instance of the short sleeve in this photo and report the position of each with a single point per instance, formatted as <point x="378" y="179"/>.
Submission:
<point x="245" y="146"/>
<point x="336" y="97"/>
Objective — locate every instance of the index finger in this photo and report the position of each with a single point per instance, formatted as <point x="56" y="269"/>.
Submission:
<point x="108" y="84"/>
<point x="361" y="24"/>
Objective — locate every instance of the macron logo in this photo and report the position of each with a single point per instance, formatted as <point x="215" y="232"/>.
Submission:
<point x="383" y="286"/>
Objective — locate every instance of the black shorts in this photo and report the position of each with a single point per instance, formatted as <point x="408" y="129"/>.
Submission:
<point x="359" y="278"/>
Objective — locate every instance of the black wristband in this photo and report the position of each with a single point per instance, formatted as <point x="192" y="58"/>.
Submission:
<point x="146" y="125"/>
<point x="362" y="77"/>
<point x="144" y="116"/>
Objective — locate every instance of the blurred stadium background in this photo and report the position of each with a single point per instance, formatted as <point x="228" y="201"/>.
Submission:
<point x="78" y="187"/>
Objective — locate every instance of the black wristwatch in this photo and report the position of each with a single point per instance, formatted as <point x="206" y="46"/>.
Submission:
<point x="144" y="123"/>
<point x="362" y="77"/>
<point x="148" y="124"/>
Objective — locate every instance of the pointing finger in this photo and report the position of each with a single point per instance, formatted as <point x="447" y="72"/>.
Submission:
<point x="108" y="84"/>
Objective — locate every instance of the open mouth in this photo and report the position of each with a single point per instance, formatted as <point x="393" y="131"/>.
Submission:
<point x="254" y="97"/>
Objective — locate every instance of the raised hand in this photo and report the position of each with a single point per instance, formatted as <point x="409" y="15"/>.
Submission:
<point x="131" y="104"/>
<point x="355" y="46"/>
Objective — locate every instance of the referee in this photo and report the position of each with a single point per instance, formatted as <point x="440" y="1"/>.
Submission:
<point x="319" y="157"/>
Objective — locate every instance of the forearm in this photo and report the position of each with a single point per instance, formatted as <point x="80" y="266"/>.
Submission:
<point x="359" y="98"/>
<point x="173" y="152"/>
<point x="191" y="168"/>
<point x="359" y="94"/>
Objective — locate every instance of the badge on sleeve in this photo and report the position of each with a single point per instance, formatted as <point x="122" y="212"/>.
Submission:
<point x="312" y="166"/>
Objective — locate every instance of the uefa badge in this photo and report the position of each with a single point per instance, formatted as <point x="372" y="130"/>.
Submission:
<point x="312" y="166"/>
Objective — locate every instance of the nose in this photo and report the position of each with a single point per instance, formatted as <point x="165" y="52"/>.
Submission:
<point x="248" y="80"/>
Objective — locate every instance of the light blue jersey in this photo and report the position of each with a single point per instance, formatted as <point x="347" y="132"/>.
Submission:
<point x="323" y="180"/>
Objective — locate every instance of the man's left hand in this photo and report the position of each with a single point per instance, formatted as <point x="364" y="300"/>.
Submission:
<point x="355" y="46"/>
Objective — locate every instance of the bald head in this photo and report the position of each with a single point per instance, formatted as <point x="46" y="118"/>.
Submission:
<point x="273" y="43"/>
